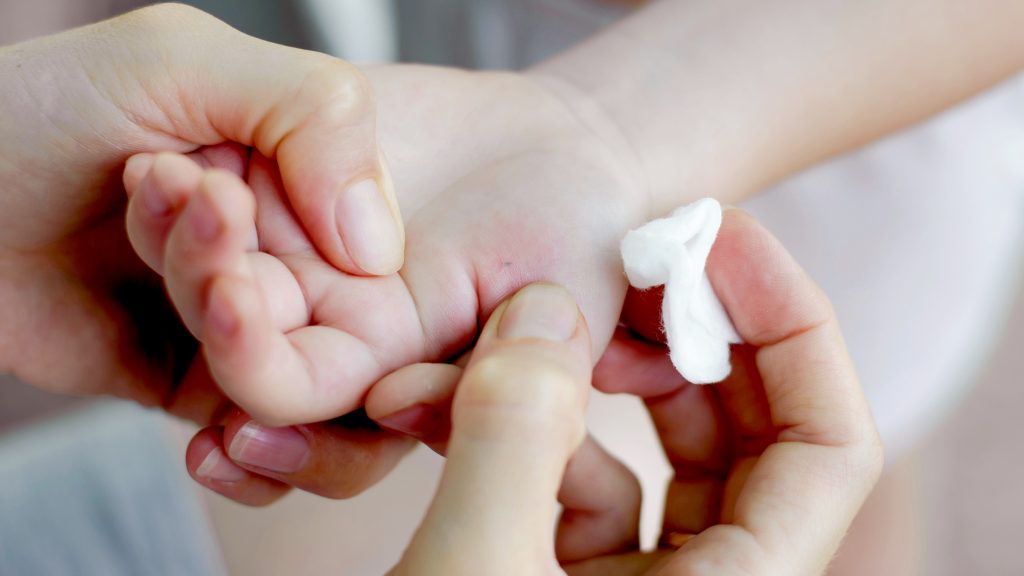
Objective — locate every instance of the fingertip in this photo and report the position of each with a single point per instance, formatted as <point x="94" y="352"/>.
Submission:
<point x="135" y="170"/>
<point x="166" y="182"/>
<point x="208" y="464"/>
<point x="171" y="181"/>
<point x="429" y="384"/>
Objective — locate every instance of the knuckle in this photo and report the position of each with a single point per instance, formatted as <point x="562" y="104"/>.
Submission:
<point x="510" y="382"/>
<point x="341" y="90"/>
<point x="170" y="15"/>
<point x="504" y="393"/>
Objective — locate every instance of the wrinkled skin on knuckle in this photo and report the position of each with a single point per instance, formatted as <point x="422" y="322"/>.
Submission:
<point x="517" y="390"/>
<point x="333" y="96"/>
<point x="342" y="91"/>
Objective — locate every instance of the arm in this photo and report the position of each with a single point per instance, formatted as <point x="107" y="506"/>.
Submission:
<point x="726" y="97"/>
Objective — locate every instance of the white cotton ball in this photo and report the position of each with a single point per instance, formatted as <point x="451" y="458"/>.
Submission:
<point x="672" y="252"/>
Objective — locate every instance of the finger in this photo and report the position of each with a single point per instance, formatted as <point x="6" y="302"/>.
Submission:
<point x="600" y="500"/>
<point x="337" y="459"/>
<point x="600" y="497"/>
<point x="801" y="495"/>
<point x="208" y="464"/>
<point x="306" y="375"/>
<point x="313" y="113"/>
<point x="632" y="365"/>
<point x="516" y="419"/>
<point x="695" y="442"/>
<point x="209" y="239"/>
<point x="633" y="564"/>
<point x="219" y="289"/>
<point x="687" y="418"/>
<point x="156" y="200"/>
<point x="135" y="169"/>
<point x="416" y="400"/>
<point x="275" y="213"/>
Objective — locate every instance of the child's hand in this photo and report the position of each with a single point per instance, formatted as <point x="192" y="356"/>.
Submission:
<point x="501" y="185"/>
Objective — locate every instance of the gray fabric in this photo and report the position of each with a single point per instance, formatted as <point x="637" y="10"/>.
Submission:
<point x="102" y="491"/>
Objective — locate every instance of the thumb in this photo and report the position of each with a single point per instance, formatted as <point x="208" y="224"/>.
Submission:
<point x="185" y="79"/>
<point x="517" y="417"/>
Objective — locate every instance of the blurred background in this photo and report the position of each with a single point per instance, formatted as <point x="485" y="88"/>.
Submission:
<point x="99" y="486"/>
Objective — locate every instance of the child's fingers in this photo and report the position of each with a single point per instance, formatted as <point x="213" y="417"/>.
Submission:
<point x="159" y="185"/>
<point x="209" y="238"/>
<point x="416" y="400"/>
<point x="600" y="500"/>
<point x="208" y="464"/>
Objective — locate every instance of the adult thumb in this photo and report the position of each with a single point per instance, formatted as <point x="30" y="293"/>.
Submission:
<point x="517" y="417"/>
<point x="178" y="72"/>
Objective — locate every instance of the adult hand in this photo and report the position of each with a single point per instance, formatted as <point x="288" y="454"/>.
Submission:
<point x="771" y="465"/>
<point x="79" y="312"/>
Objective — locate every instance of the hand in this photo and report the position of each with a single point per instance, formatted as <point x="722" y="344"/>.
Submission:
<point x="79" y="312"/>
<point x="771" y="465"/>
<point x="501" y="183"/>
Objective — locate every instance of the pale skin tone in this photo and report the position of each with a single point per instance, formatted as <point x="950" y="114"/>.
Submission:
<point x="559" y="138"/>
<point x="79" y="104"/>
<point x="680" y="142"/>
<point x="734" y="506"/>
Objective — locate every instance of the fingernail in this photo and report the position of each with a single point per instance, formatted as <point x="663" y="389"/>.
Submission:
<point x="202" y="217"/>
<point x="282" y="450"/>
<point x="418" y="420"/>
<point x="369" y="229"/>
<point x="542" y="311"/>
<point x="216" y="466"/>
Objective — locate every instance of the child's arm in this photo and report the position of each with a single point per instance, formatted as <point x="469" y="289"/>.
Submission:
<point x="726" y="96"/>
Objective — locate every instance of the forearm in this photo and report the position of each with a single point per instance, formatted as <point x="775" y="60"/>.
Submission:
<point x="724" y="97"/>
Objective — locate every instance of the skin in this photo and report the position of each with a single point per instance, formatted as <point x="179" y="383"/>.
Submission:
<point x="589" y="139"/>
<point x="771" y="465"/>
<point x="663" y="141"/>
<point x="316" y="334"/>
<point x="79" y="104"/>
